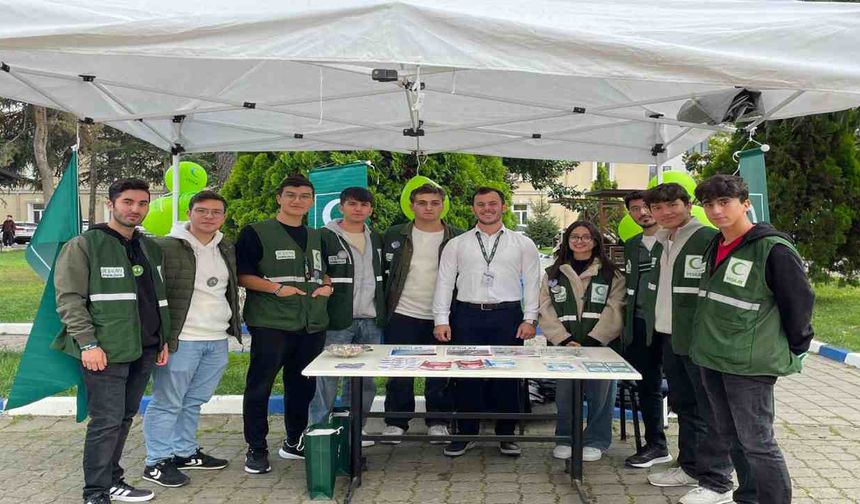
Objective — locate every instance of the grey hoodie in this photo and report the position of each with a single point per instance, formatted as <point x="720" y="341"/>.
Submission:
<point x="663" y="307"/>
<point x="363" y="278"/>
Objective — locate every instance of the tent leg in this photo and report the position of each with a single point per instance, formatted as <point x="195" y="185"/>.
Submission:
<point x="175" y="196"/>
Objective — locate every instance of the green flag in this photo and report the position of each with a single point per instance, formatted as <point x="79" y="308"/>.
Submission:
<point x="44" y="372"/>
<point x="751" y="167"/>
<point x="328" y="183"/>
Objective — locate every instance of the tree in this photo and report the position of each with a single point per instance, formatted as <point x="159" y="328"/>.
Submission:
<point x="813" y="173"/>
<point x="255" y="177"/>
<point x="542" y="227"/>
<point x="603" y="181"/>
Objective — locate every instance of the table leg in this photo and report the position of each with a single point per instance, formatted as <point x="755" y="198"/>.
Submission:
<point x="355" y="414"/>
<point x="576" y="434"/>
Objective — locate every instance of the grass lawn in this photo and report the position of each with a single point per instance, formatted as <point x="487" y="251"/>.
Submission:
<point x="836" y="319"/>
<point x="20" y="288"/>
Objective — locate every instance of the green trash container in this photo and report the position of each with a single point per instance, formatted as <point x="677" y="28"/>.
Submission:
<point x="321" y="459"/>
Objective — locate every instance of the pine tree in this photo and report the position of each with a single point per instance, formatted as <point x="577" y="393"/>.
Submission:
<point x="542" y="227"/>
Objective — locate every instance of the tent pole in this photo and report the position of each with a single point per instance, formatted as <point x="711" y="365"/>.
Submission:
<point x="175" y="195"/>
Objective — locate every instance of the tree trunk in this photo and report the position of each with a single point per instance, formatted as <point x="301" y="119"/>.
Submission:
<point x="40" y="152"/>
<point x="87" y="162"/>
<point x="224" y="162"/>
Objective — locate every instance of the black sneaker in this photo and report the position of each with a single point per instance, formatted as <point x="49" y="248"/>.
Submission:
<point x="648" y="456"/>
<point x="291" y="452"/>
<point x="199" y="460"/>
<point x="164" y="473"/>
<point x="510" y="449"/>
<point x="457" y="448"/>
<point x="257" y="461"/>
<point x="123" y="492"/>
<point x="97" y="499"/>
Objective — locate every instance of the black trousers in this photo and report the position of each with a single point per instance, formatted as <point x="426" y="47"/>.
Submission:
<point x="473" y="326"/>
<point x="8" y="239"/>
<point x="743" y="409"/>
<point x="271" y="351"/>
<point x="113" y="398"/>
<point x="399" y="392"/>
<point x="648" y="360"/>
<point x="699" y="454"/>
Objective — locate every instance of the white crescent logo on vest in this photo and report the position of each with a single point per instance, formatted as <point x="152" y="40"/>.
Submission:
<point x="560" y="296"/>
<point x="694" y="266"/>
<point x="599" y="293"/>
<point x="737" y="272"/>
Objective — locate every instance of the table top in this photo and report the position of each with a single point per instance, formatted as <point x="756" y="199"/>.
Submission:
<point x="586" y="363"/>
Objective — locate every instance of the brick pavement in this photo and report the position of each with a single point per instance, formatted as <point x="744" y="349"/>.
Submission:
<point x="818" y="427"/>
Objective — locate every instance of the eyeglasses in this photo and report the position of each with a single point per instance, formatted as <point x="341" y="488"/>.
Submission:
<point x="580" y="238"/>
<point x="205" y="212"/>
<point x="298" y="196"/>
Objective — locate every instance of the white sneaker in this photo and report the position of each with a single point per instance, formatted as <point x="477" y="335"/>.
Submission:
<point x="438" y="430"/>
<point x="702" y="495"/>
<point x="392" y="430"/>
<point x="674" y="477"/>
<point x="366" y="442"/>
<point x="562" y="452"/>
<point x="590" y="454"/>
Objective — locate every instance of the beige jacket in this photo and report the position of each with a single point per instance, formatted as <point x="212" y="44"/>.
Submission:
<point x="663" y="306"/>
<point x="611" y="320"/>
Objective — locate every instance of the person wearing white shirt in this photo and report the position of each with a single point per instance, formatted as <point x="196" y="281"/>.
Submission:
<point x="496" y="272"/>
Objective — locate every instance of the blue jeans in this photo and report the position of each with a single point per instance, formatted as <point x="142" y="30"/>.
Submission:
<point x="600" y="396"/>
<point x="179" y="389"/>
<point x="362" y="332"/>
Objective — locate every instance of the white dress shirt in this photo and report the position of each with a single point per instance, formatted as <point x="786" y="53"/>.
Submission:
<point x="515" y="269"/>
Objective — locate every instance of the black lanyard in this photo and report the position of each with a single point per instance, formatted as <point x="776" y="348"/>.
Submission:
<point x="489" y="258"/>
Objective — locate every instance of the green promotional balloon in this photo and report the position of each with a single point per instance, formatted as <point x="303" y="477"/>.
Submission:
<point x="414" y="183"/>
<point x="159" y="220"/>
<point x="699" y="213"/>
<point x="192" y="177"/>
<point x="627" y="228"/>
<point x="678" y="177"/>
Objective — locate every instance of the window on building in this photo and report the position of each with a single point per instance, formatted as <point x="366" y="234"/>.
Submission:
<point x="36" y="211"/>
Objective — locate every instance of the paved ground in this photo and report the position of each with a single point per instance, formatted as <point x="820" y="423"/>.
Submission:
<point x="818" y="429"/>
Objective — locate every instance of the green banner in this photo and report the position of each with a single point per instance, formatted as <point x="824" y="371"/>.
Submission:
<point x="751" y="166"/>
<point x="44" y="372"/>
<point x="328" y="183"/>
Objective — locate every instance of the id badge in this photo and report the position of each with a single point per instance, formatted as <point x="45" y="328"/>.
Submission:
<point x="487" y="278"/>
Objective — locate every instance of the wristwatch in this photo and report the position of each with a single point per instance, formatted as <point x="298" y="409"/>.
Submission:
<point x="89" y="346"/>
<point x="530" y="321"/>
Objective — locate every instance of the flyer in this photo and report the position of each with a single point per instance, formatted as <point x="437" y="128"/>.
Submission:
<point x="562" y="352"/>
<point x="597" y="367"/>
<point x="470" y="364"/>
<point x="468" y="351"/>
<point x="403" y="351"/>
<point x="620" y="367"/>
<point x="559" y="366"/>
<point x="400" y="363"/>
<point x="349" y="365"/>
<point x="500" y="363"/>
<point x="436" y="365"/>
<point x="514" y="351"/>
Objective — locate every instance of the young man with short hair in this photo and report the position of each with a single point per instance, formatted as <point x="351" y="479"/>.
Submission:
<point x="279" y="262"/>
<point x="496" y="273"/>
<point x="670" y="303"/>
<point x="752" y="326"/>
<point x="411" y="260"/>
<point x="644" y="352"/>
<point x="352" y="252"/>
<point x="112" y="303"/>
<point x="202" y="289"/>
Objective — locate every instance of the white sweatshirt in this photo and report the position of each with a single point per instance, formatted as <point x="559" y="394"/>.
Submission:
<point x="209" y="314"/>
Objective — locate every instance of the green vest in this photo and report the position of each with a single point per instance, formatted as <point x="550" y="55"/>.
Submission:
<point x="738" y="326"/>
<point x="631" y="283"/>
<point x="112" y="298"/>
<point x="686" y="273"/>
<point x="339" y="267"/>
<point x="285" y="263"/>
<point x="564" y="302"/>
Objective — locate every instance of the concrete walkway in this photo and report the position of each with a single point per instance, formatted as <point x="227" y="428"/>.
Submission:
<point x="818" y="427"/>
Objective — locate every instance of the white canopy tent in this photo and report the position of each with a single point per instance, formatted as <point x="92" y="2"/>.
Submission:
<point x="539" y="79"/>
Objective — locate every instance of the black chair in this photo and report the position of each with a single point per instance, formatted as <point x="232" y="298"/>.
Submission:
<point x="627" y="390"/>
